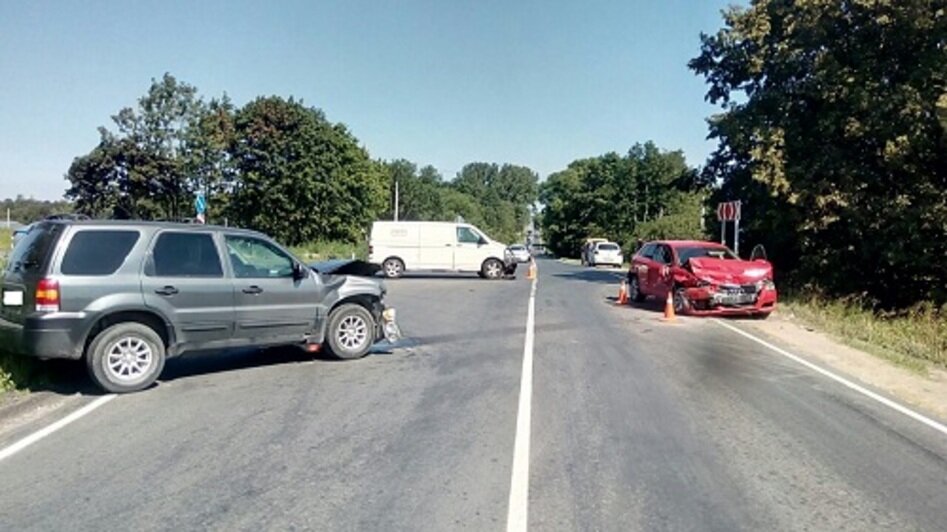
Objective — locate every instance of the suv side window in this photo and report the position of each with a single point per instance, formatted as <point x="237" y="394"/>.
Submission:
<point x="98" y="251"/>
<point x="186" y="254"/>
<point x="466" y="235"/>
<point x="253" y="258"/>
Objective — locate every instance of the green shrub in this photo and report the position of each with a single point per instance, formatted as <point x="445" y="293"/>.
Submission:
<point x="914" y="338"/>
<point x="330" y="249"/>
<point x="17" y="372"/>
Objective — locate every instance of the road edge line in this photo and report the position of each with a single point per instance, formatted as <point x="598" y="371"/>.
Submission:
<point x="30" y="439"/>
<point x="940" y="427"/>
<point x="517" y="515"/>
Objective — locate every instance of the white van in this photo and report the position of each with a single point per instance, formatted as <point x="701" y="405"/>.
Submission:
<point x="444" y="246"/>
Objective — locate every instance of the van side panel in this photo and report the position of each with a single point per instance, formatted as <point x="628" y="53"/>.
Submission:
<point x="396" y="239"/>
<point x="436" y="246"/>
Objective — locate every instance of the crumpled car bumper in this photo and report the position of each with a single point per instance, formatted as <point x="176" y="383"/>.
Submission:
<point x="702" y="303"/>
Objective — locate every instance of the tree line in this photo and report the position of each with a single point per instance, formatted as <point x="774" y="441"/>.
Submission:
<point x="833" y="132"/>
<point x="647" y="193"/>
<point x="28" y="210"/>
<point x="278" y="166"/>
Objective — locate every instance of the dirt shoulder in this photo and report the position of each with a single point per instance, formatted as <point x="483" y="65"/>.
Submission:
<point x="927" y="391"/>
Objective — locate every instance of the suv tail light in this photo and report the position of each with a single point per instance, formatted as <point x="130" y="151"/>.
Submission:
<point x="47" y="295"/>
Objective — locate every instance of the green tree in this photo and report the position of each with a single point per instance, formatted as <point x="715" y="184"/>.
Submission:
<point x="418" y="192"/>
<point x="832" y="132"/>
<point x="648" y="193"/>
<point x="300" y="177"/>
<point x="28" y="210"/>
<point x="141" y="166"/>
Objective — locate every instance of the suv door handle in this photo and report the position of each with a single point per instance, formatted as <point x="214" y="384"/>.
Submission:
<point x="253" y="290"/>
<point x="166" y="291"/>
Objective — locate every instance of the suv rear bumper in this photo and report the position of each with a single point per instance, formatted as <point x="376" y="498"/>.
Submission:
<point x="49" y="336"/>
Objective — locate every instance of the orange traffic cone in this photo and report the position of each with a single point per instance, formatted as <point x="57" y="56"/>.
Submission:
<point x="623" y="293"/>
<point x="531" y="271"/>
<point x="669" y="309"/>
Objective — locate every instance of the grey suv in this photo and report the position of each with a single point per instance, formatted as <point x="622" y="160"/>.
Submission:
<point x="126" y="295"/>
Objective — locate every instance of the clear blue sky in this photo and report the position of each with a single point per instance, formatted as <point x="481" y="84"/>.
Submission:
<point x="537" y="83"/>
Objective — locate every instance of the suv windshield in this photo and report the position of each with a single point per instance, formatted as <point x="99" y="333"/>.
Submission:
<point x="608" y="247"/>
<point x="695" y="252"/>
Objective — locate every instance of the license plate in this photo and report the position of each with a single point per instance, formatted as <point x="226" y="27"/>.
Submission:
<point x="737" y="299"/>
<point x="12" y="298"/>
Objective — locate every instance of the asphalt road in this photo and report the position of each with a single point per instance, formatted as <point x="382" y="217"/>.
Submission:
<point x="636" y="425"/>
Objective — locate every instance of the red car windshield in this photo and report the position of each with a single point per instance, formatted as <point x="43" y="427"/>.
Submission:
<point x="685" y="254"/>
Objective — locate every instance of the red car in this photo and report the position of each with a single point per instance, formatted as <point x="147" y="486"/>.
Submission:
<point x="705" y="278"/>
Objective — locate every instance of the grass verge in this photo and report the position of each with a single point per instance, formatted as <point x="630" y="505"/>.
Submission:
<point x="914" y="339"/>
<point x="18" y="372"/>
<point x="330" y="249"/>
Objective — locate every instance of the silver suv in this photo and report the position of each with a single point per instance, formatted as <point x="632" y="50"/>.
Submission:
<point x="123" y="296"/>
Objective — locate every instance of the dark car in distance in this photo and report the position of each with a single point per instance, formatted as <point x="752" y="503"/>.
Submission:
<point x="124" y="295"/>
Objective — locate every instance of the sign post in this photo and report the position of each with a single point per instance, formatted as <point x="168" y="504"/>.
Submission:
<point x="200" y="205"/>
<point x="730" y="211"/>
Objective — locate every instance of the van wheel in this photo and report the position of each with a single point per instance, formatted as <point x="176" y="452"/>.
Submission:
<point x="492" y="269"/>
<point x="125" y="357"/>
<point x="393" y="268"/>
<point x="351" y="331"/>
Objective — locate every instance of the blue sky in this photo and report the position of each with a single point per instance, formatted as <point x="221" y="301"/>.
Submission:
<point x="537" y="83"/>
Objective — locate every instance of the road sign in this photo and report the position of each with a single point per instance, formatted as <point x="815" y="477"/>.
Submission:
<point x="200" y="204"/>
<point x="728" y="211"/>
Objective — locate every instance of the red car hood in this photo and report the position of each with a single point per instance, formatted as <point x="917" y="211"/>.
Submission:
<point x="729" y="271"/>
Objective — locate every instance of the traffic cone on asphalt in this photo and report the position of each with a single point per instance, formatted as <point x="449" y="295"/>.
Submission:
<point x="623" y="293"/>
<point x="669" y="309"/>
<point x="531" y="271"/>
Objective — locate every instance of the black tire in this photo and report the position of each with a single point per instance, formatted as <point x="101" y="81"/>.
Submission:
<point x="634" y="290"/>
<point x="681" y="304"/>
<point x="393" y="268"/>
<point x="125" y="357"/>
<point x="350" y="332"/>
<point x="492" y="269"/>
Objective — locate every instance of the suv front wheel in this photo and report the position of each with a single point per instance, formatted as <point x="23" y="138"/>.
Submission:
<point x="125" y="357"/>
<point x="351" y="331"/>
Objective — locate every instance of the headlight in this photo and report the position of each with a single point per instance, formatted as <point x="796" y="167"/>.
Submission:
<point x="768" y="284"/>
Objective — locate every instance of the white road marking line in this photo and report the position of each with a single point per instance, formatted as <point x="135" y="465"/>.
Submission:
<point x="841" y="380"/>
<point x="49" y="429"/>
<point x="518" y="510"/>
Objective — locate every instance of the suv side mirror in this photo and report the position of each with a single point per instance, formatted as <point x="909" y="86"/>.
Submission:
<point x="299" y="271"/>
<point x="482" y="242"/>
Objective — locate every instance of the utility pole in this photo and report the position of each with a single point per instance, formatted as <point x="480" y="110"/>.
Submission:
<point x="396" y="201"/>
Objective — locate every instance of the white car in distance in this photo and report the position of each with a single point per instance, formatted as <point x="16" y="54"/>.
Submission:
<point x="520" y="253"/>
<point x="607" y="254"/>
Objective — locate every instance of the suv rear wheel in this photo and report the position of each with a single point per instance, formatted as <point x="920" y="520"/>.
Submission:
<point x="351" y="331"/>
<point x="125" y="357"/>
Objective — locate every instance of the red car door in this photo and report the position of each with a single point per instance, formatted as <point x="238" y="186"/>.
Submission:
<point x="659" y="271"/>
<point x="640" y="265"/>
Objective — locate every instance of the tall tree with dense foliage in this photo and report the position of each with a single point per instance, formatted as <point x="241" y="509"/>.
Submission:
<point x="504" y="194"/>
<point x="648" y="193"/>
<point x="138" y="171"/>
<point x="301" y="177"/>
<point x="833" y="133"/>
